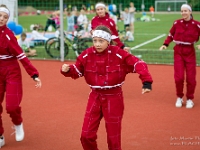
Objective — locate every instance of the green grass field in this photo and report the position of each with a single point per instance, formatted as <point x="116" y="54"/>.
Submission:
<point x="144" y="32"/>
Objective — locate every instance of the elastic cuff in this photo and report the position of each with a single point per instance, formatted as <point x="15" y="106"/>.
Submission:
<point x="122" y="47"/>
<point x="147" y="85"/>
<point x="34" y="76"/>
<point x="166" y="45"/>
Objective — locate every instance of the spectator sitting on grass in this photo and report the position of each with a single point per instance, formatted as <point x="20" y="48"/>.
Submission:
<point x="36" y="35"/>
<point x="24" y="44"/>
<point x="129" y="35"/>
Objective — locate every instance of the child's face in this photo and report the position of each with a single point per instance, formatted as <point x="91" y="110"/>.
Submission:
<point x="186" y="13"/>
<point x="3" y="18"/>
<point x="23" y="38"/>
<point x="101" y="11"/>
<point x="100" y="44"/>
<point x="82" y="12"/>
<point x="131" y="4"/>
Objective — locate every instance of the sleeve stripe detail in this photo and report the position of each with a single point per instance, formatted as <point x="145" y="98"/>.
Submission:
<point x="85" y="55"/>
<point x="8" y="37"/>
<point x="119" y="56"/>
<point x="21" y="56"/>
<point x="79" y="73"/>
<point x="5" y="56"/>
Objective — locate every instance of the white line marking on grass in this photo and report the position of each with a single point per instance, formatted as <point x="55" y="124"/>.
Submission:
<point x="141" y="34"/>
<point x="140" y="49"/>
<point x="154" y="39"/>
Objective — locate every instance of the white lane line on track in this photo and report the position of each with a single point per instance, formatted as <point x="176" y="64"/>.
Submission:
<point x="152" y="40"/>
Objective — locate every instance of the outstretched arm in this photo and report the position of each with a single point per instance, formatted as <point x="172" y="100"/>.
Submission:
<point x="135" y="65"/>
<point x="16" y="50"/>
<point x="169" y="38"/>
<point x="74" y="70"/>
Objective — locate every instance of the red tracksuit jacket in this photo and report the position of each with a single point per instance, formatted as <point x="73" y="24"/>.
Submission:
<point x="187" y="32"/>
<point x="108" y="68"/>
<point x="107" y="21"/>
<point x="9" y="50"/>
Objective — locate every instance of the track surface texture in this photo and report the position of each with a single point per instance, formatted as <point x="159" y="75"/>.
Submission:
<point x="53" y="115"/>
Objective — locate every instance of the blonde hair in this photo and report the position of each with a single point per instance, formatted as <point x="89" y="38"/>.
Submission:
<point x="128" y="28"/>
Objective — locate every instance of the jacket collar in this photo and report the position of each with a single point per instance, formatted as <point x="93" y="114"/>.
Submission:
<point x="105" y="17"/>
<point x="187" y="21"/>
<point x="101" y="53"/>
<point x="2" y="28"/>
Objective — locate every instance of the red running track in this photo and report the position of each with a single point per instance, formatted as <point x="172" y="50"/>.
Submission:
<point x="53" y="115"/>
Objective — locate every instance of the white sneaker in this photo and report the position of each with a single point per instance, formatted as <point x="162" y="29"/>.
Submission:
<point x="179" y="102"/>
<point x="19" y="132"/>
<point x="2" y="141"/>
<point x="189" y="103"/>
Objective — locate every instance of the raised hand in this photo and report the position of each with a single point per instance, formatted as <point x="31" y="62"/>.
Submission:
<point x="65" y="68"/>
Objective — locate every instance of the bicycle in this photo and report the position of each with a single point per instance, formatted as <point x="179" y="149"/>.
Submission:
<point x="77" y="43"/>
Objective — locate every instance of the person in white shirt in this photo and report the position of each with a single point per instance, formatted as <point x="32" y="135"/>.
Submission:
<point x="82" y="19"/>
<point x="169" y="8"/>
<point x="70" y="21"/>
<point x="24" y="44"/>
<point x="126" y="18"/>
<point x="132" y="10"/>
<point x="57" y="33"/>
<point x="129" y="35"/>
<point x="113" y="16"/>
<point x="36" y="35"/>
<point x="89" y="28"/>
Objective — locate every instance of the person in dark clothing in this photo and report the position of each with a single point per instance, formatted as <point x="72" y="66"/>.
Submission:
<point x="50" y="22"/>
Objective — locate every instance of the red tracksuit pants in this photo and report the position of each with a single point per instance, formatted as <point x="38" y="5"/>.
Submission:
<point x="108" y="104"/>
<point x="11" y="84"/>
<point x="185" y="61"/>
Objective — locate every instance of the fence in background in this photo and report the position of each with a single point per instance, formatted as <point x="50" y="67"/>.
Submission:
<point x="147" y="34"/>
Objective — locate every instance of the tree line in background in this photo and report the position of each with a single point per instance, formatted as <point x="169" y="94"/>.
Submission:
<point x="54" y="4"/>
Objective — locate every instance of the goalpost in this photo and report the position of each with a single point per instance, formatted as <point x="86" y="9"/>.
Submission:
<point x="13" y="7"/>
<point x="169" y="5"/>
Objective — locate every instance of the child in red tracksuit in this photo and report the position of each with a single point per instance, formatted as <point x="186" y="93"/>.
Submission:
<point x="105" y="68"/>
<point x="184" y="32"/>
<point x="102" y="18"/>
<point x="10" y="76"/>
